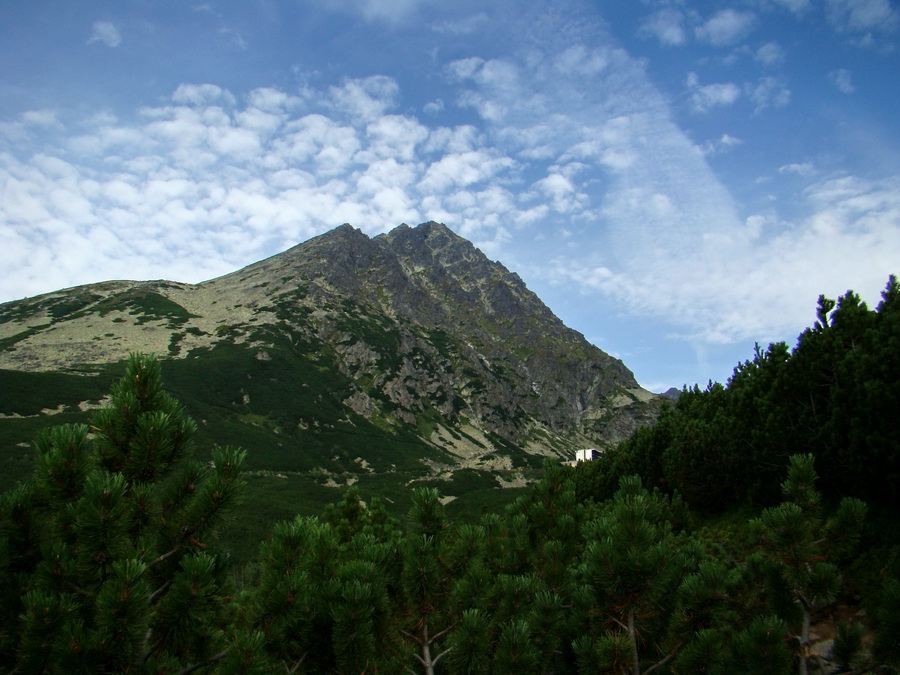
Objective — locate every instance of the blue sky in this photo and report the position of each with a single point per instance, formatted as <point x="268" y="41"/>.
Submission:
<point x="677" y="180"/>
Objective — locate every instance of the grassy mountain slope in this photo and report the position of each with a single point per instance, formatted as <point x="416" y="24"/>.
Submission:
<point x="405" y="359"/>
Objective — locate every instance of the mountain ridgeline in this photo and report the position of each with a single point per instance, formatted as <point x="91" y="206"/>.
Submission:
<point x="344" y="356"/>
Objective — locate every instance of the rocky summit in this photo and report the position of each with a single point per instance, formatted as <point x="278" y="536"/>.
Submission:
<point x="347" y="354"/>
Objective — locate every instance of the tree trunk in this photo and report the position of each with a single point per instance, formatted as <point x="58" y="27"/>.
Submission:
<point x="632" y="633"/>
<point x="424" y="640"/>
<point x="426" y="650"/>
<point x="804" y="634"/>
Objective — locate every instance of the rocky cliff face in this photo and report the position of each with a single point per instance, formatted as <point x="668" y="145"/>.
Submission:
<point x="427" y="334"/>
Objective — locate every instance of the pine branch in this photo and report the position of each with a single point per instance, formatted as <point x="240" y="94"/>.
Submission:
<point x="668" y="658"/>
<point x="164" y="556"/>
<point x="441" y="634"/>
<point x="441" y="655"/>
<point x="416" y="638"/>
<point x="81" y="591"/>
<point x="211" y="660"/>
<point x="293" y="669"/>
<point x="159" y="591"/>
<point x="146" y="652"/>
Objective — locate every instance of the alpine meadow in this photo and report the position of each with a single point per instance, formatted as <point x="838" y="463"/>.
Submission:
<point x="355" y="456"/>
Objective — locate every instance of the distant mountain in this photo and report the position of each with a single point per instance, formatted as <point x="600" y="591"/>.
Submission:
<point x="344" y="357"/>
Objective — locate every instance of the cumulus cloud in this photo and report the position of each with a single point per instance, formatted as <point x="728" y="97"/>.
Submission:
<point x="850" y="219"/>
<point x="105" y="32"/>
<point x="434" y="107"/>
<point x="567" y="141"/>
<point x="560" y="192"/>
<point x="705" y="97"/>
<point x="666" y="25"/>
<point x="465" y="26"/>
<point x="41" y="118"/>
<point x="769" y="92"/>
<point x="863" y="15"/>
<point x="769" y="54"/>
<point x="795" y="6"/>
<point x="202" y="94"/>
<point x="390" y="11"/>
<point x="842" y="79"/>
<point x="366" y="98"/>
<point x="29" y="123"/>
<point x="723" y="144"/>
<point x="461" y="170"/>
<point x="241" y="177"/>
<point x="726" y="27"/>
<point x="620" y="167"/>
<point x="804" y="169"/>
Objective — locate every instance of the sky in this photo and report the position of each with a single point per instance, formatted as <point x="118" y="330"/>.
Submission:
<point x="677" y="180"/>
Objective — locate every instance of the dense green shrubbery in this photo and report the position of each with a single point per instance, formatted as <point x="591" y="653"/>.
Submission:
<point x="105" y="564"/>
<point x="108" y="560"/>
<point x="835" y="395"/>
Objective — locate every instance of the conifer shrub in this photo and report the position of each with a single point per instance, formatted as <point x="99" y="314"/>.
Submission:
<point x="107" y="554"/>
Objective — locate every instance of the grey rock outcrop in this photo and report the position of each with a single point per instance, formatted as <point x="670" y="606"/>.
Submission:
<point x="421" y="324"/>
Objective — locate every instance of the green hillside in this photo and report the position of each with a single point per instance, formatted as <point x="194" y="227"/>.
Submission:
<point x="752" y="529"/>
<point x="288" y="409"/>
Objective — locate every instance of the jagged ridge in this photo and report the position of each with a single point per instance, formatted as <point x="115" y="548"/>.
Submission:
<point x="429" y="334"/>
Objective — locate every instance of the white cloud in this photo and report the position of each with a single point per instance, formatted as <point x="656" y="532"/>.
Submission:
<point x="561" y="193"/>
<point x="461" y="170"/>
<point x="499" y="90"/>
<point x="769" y="92"/>
<point x="41" y="118"/>
<point x="580" y="61"/>
<point x="367" y="98"/>
<point x="705" y="97"/>
<point x="564" y="139"/>
<point x="842" y="80"/>
<point x="666" y="25"/>
<point x="762" y="289"/>
<point x="395" y="136"/>
<point x="723" y="144"/>
<point x="209" y="181"/>
<point x="434" y="107"/>
<point x="863" y="15"/>
<point x="770" y="54"/>
<point x="806" y="169"/>
<point x="726" y="27"/>
<point x="457" y="139"/>
<point x="234" y="37"/>
<point x="259" y="121"/>
<point x="464" y="68"/>
<point x="105" y="32"/>
<point x="209" y="173"/>
<point x="202" y="95"/>
<point x="795" y="6"/>
<point x="30" y="122"/>
<point x="273" y="100"/>
<point x="390" y="11"/>
<point x="465" y="26"/>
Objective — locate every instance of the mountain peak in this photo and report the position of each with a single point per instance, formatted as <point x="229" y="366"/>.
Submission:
<point x="421" y="232"/>
<point x="416" y="325"/>
<point x="345" y="232"/>
<point x="431" y="244"/>
<point x="432" y="227"/>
